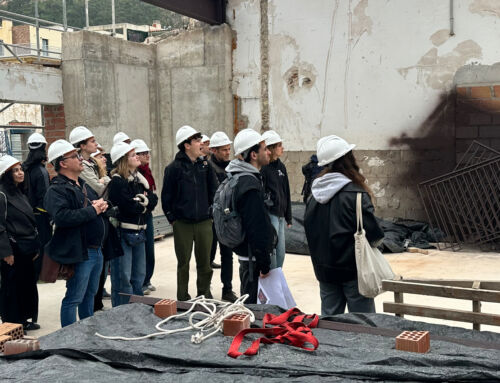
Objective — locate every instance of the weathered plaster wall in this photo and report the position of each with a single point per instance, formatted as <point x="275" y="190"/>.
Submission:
<point x="22" y="113"/>
<point x="378" y="73"/>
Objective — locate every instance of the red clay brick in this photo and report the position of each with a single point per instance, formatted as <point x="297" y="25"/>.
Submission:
<point x="462" y="91"/>
<point x="15" y="330"/>
<point x="413" y="341"/>
<point x="165" y="308"/>
<point x="3" y="339"/>
<point x="234" y="324"/>
<point x="480" y="92"/>
<point x="496" y="90"/>
<point x="491" y="105"/>
<point x="19" y="346"/>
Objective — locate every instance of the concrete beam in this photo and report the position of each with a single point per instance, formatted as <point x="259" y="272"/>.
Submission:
<point x="30" y="84"/>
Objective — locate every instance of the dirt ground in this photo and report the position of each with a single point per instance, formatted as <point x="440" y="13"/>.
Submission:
<point x="300" y="276"/>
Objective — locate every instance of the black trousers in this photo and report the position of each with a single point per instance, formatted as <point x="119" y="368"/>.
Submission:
<point x="249" y="281"/>
<point x="226" y="263"/>
<point x="18" y="291"/>
<point x="44" y="235"/>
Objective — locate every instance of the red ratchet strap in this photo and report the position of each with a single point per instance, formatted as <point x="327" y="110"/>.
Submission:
<point x="294" y="333"/>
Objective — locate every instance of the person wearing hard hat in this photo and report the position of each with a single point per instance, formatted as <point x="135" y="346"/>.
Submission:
<point x="143" y="153"/>
<point x="189" y="186"/>
<point x="220" y="146"/>
<point x="255" y="252"/>
<point x="36" y="180"/>
<point x="277" y="187"/>
<point x="131" y="193"/>
<point x="19" y="246"/>
<point x="121" y="137"/>
<point x="330" y="225"/>
<point x="76" y="211"/>
<point x="205" y="147"/>
<point x="84" y="141"/>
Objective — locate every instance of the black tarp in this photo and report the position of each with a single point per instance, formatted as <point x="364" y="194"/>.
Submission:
<point x="399" y="234"/>
<point x="75" y="354"/>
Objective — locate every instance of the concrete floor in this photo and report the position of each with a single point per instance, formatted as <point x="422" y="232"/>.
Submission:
<point x="300" y="276"/>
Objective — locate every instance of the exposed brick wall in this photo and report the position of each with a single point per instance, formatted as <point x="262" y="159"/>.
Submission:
<point x="55" y="126"/>
<point x="477" y="116"/>
<point x="21" y="34"/>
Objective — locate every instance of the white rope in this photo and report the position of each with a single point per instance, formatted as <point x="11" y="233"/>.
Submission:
<point x="210" y="325"/>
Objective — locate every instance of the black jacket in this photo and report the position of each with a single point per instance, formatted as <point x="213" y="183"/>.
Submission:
<point x="17" y="221"/>
<point x="277" y="187"/>
<point x="188" y="189"/>
<point x="122" y="193"/>
<point x="259" y="232"/>
<point x="77" y="227"/>
<point x="330" y="229"/>
<point x="38" y="183"/>
<point x="219" y="168"/>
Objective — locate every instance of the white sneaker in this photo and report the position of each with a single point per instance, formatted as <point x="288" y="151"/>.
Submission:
<point x="146" y="291"/>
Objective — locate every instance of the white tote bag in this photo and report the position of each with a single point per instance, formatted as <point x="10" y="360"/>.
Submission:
<point x="371" y="264"/>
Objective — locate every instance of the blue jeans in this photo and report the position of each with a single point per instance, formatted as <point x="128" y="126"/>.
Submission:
<point x="334" y="297"/>
<point x="127" y="273"/>
<point x="81" y="289"/>
<point x="279" y="226"/>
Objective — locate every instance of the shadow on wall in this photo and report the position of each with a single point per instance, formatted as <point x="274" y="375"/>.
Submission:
<point x="430" y="152"/>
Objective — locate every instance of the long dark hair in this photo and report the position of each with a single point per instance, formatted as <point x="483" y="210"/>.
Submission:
<point x="348" y="166"/>
<point x="7" y="180"/>
<point x="35" y="157"/>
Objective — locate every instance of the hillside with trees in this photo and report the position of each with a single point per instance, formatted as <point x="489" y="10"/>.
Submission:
<point x="126" y="11"/>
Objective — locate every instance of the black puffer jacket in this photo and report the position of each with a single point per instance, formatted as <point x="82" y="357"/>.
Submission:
<point x="77" y="227"/>
<point x="17" y="221"/>
<point x="277" y="187"/>
<point x="122" y="193"/>
<point x="330" y="228"/>
<point x="188" y="189"/>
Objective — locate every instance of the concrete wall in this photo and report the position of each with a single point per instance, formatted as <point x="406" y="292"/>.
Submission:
<point x="378" y="73"/>
<point x="148" y="91"/>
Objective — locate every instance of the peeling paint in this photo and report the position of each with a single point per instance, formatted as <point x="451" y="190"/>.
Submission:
<point x="485" y="7"/>
<point x="361" y="23"/>
<point x="438" y="71"/>
<point x="375" y="161"/>
<point x="440" y="37"/>
<point x="378" y="190"/>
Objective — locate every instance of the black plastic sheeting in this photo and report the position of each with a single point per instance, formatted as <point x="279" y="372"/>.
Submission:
<point x="399" y="234"/>
<point x="75" y="354"/>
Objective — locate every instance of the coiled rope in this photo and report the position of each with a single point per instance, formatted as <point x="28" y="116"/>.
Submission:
<point x="211" y="324"/>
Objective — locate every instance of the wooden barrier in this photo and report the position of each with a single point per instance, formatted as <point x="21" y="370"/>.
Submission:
<point x="475" y="291"/>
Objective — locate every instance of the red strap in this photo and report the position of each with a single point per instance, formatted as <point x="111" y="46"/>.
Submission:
<point x="294" y="333"/>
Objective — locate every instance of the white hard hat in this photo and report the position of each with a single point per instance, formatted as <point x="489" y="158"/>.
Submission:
<point x="205" y="138"/>
<point x="96" y="153"/>
<point x="79" y="134"/>
<point x="184" y="133"/>
<point x="331" y="148"/>
<point x="271" y="137"/>
<point x="59" y="148"/>
<point x="6" y="162"/>
<point x="120" y="137"/>
<point x="245" y="140"/>
<point x="219" y="139"/>
<point x="119" y="150"/>
<point x="139" y="146"/>
<point x="36" y="138"/>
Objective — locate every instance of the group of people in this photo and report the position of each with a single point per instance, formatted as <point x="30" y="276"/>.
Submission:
<point x="98" y="217"/>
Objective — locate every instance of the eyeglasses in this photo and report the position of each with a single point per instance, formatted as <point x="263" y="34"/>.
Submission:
<point x="143" y="154"/>
<point x="76" y="155"/>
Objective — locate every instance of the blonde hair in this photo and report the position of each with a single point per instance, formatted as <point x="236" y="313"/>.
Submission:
<point x="101" y="168"/>
<point x="122" y="168"/>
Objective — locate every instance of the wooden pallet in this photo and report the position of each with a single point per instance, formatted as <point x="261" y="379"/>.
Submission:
<point x="162" y="227"/>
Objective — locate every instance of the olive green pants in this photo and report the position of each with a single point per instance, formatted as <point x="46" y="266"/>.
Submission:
<point x="184" y="235"/>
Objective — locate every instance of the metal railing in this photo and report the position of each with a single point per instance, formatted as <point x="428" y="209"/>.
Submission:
<point x="23" y="50"/>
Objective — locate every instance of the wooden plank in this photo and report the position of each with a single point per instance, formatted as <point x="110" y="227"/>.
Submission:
<point x="476" y="306"/>
<point x="487" y="285"/>
<point x="447" y="314"/>
<point x="399" y="298"/>
<point x="442" y="291"/>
